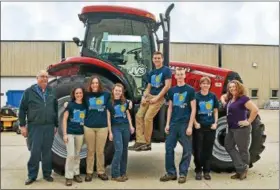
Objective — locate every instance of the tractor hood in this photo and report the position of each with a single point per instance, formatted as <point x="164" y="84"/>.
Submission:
<point x="71" y="66"/>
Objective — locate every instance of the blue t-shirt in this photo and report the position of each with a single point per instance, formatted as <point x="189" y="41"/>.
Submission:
<point x="75" y="122"/>
<point x="181" y="97"/>
<point x="205" y="105"/>
<point x="97" y="103"/>
<point x="157" y="79"/>
<point x="119" y="115"/>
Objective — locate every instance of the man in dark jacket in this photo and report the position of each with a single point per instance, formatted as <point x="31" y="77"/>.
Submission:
<point x="39" y="107"/>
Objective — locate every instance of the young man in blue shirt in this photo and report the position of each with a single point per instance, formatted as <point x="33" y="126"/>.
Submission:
<point x="152" y="100"/>
<point x="179" y="124"/>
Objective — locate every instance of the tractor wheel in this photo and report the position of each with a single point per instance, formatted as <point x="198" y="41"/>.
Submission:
<point x="63" y="87"/>
<point x="221" y="161"/>
<point x="16" y="126"/>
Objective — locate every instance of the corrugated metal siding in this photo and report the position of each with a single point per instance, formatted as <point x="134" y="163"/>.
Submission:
<point x="205" y="54"/>
<point x="71" y="49"/>
<point x="264" y="77"/>
<point x="27" y="58"/>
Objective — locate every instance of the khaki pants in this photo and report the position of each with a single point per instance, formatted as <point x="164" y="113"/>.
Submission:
<point x="95" y="140"/>
<point x="144" y="120"/>
<point x="74" y="145"/>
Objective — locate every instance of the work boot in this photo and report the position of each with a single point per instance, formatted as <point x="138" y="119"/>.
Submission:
<point x="182" y="179"/>
<point x="243" y="175"/>
<point x="88" y="177"/>
<point x="48" y="178"/>
<point x="103" y="177"/>
<point x="118" y="179"/>
<point x="207" y="176"/>
<point x="78" y="179"/>
<point x="68" y="182"/>
<point x="235" y="176"/>
<point x="137" y="146"/>
<point x="144" y="148"/>
<point x="168" y="177"/>
<point x="125" y="177"/>
<point x="198" y="176"/>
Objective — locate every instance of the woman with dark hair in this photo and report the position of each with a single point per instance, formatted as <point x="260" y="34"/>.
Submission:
<point x="120" y="133"/>
<point x="205" y="128"/>
<point x="73" y="134"/>
<point x="239" y="127"/>
<point x="96" y="126"/>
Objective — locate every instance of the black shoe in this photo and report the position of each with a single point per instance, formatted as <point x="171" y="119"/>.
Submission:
<point x="48" y="178"/>
<point x="168" y="177"/>
<point x="198" y="176"/>
<point x="144" y="148"/>
<point x="207" y="176"/>
<point x="103" y="177"/>
<point x="136" y="146"/>
<point x="29" y="181"/>
<point x="88" y="177"/>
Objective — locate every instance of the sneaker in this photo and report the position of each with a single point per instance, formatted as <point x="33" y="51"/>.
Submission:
<point x="207" y="176"/>
<point x="168" y="177"/>
<point x="118" y="179"/>
<point x="235" y="176"/>
<point x="125" y="177"/>
<point x="136" y="146"/>
<point x="198" y="176"/>
<point x="103" y="176"/>
<point x="182" y="179"/>
<point x="78" y="179"/>
<point x="88" y="177"/>
<point x="68" y="182"/>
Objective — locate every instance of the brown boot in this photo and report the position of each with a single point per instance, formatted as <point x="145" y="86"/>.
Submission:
<point x="88" y="177"/>
<point x="235" y="176"/>
<point x="243" y="175"/>
<point x="68" y="182"/>
<point x="168" y="177"/>
<point x="182" y="179"/>
<point x="118" y="179"/>
<point x="125" y="177"/>
<point x="103" y="177"/>
<point x="78" y="179"/>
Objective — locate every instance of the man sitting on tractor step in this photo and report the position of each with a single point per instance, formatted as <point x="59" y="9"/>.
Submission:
<point x="159" y="82"/>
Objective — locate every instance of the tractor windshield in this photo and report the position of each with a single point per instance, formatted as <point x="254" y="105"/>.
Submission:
<point x="126" y="43"/>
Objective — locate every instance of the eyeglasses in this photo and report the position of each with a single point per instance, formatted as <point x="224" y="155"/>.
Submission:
<point x="43" y="76"/>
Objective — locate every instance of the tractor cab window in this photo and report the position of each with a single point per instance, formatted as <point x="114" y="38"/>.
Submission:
<point x="124" y="43"/>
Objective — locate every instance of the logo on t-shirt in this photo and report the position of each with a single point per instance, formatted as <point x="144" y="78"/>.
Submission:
<point x="156" y="80"/>
<point x="96" y="103"/>
<point x="206" y="107"/>
<point x="120" y="110"/>
<point x="179" y="99"/>
<point x="78" y="116"/>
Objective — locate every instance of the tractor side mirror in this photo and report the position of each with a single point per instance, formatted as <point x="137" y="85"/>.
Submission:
<point x="77" y="41"/>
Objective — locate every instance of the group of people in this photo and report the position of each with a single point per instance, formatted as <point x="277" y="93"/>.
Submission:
<point x="94" y="115"/>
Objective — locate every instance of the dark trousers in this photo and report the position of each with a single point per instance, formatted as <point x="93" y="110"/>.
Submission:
<point x="40" y="140"/>
<point x="121" y="136"/>
<point x="177" y="132"/>
<point x="203" y="141"/>
<point x="241" y="138"/>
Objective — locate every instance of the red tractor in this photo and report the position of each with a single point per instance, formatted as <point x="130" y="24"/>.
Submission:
<point x="129" y="64"/>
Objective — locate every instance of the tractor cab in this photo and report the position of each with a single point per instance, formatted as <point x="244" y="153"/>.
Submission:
<point x="124" y="37"/>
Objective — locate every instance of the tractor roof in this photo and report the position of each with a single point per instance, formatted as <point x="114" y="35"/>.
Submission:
<point x="117" y="9"/>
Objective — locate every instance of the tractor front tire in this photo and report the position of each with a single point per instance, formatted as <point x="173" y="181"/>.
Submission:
<point x="221" y="161"/>
<point x="62" y="87"/>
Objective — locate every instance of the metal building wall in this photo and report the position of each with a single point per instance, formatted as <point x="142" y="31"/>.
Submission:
<point x="264" y="77"/>
<point x="27" y="58"/>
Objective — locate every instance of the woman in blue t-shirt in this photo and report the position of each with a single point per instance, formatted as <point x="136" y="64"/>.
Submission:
<point x="73" y="134"/>
<point x="120" y="132"/>
<point x="96" y="126"/>
<point x="205" y="128"/>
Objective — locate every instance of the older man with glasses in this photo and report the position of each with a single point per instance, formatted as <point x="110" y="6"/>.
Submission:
<point x="39" y="111"/>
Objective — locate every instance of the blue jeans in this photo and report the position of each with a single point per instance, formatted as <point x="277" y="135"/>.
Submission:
<point x="121" y="136"/>
<point x="177" y="132"/>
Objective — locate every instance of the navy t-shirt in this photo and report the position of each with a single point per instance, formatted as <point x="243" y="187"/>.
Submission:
<point x="157" y="79"/>
<point x="119" y="115"/>
<point x="181" y="97"/>
<point x="97" y="103"/>
<point x="205" y="105"/>
<point x="75" y="122"/>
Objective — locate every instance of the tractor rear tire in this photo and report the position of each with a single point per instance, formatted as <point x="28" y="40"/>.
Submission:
<point x="62" y="87"/>
<point x="221" y="161"/>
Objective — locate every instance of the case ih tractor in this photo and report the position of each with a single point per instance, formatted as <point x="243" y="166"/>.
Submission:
<point x="129" y="64"/>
